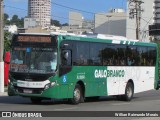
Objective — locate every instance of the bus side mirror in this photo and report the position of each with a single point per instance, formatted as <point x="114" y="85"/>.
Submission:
<point x="65" y="55"/>
<point x="6" y="57"/>
<point x="66" y="63"/>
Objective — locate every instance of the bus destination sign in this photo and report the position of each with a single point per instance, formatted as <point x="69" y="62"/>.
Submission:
<point x="39" y="39"/>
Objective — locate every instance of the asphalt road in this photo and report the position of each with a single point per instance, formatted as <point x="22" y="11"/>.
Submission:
<point x="146" y="101"/>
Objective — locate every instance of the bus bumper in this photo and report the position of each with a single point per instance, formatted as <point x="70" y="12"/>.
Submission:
<point x="57" y="92"/>
<point x="25" y="92"/>
<point x="11" y="90"/>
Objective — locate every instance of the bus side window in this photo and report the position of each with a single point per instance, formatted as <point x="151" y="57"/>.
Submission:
<point x="143" y="55"/>
<point x="151" y="56"/>
<point x="81" y="54"/>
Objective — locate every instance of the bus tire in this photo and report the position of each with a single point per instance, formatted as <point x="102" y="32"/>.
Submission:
<point x="35" y="100"/>
<point x="129" y="91"/>
<point x="77" y="95"/>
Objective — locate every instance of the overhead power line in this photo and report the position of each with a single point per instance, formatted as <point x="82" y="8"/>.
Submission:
<point x="51" y="15"/>
<point x="72" y="8"/>
<point x="84" y="10"/>
<point x="15" y="7"/>
<point x="66" y="17"/>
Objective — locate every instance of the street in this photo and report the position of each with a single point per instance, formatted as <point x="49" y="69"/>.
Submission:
<point x="149" y="101"/>
<point x="146" y="101"/>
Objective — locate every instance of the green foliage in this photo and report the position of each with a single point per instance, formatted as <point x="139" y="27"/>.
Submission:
<point x="55" y="23"/>
<point x="6" y="21"/>
<point x="7" y="41"/>
<point x="19" y="22"/>
<point x="6" y="16"/>
<point x="65" y="24"/>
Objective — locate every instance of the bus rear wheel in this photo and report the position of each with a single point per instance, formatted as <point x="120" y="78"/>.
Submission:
<point x="129" y="92"/>
<point x="77" y="95"/>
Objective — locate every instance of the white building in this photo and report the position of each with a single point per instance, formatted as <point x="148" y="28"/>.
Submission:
<point x="155" y="28"/>
<point x="75" y="19"/>
<point x="146" y="20"/>
<point x="113" y="23"/>
<point x="88" y="24"/>
<point x="117" y="22"/>
<point x="31" y="22"/>
<point x="40" y="9"/>
<point x="11" y="28"/>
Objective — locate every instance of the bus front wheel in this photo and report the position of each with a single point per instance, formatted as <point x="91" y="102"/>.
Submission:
<point x="77" y="95"/>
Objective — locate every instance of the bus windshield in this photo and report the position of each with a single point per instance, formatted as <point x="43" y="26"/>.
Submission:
<point x="33" y="60"/>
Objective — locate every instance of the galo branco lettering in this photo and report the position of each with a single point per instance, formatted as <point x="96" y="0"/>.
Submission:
<point x="109" y="73"/>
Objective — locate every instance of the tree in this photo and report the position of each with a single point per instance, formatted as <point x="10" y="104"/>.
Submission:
<point x="18" y="22"/>
<point x="55" y="23"/>
<point x="65" y="24"/>
<point x="21" y="23"/>
<point x="7" y="41"/>
<point x="6" y="21"/>
<point x="15" y="19"/>
<point x="6" y="16"/>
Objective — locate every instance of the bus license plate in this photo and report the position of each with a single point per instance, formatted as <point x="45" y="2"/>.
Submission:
<point x="27" y="91"/>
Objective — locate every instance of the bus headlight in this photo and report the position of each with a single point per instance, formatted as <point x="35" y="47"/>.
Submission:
<point x="47" y="86"/>
<point x="50" y="85"/>
<point x="10" y="82"/>
<point x="53" y="83"/>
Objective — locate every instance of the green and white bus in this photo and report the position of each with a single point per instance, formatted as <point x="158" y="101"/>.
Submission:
<point x="46" y="66"/>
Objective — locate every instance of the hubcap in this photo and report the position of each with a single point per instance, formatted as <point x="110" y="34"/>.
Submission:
<point x="77" y="94"/>
<point x="129" y="92"/>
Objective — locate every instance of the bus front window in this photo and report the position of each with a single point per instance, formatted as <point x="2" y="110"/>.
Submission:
<point x="43" y="61"/>
<point x="34" y="60"/>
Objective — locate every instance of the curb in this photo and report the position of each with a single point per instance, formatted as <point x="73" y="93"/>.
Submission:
<point x="4" y="94"/>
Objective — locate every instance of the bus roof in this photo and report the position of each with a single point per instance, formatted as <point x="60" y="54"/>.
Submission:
<point x="101" y="37"/>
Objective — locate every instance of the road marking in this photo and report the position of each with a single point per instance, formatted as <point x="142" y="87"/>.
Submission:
<point x="121" y="104"/>
<point x="65" y="109"/>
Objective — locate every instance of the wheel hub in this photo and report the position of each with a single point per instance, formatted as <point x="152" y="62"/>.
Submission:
<point x="77" y="94"/>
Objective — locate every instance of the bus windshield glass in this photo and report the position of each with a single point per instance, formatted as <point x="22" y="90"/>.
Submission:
<point x="33" y="60"/>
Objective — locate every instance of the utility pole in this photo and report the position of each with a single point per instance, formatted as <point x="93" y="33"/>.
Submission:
<point x="1" y="48"/>
<point x="135" y="10"/>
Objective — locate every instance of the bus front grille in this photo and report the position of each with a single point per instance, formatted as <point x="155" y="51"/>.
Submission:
<point x="29" y="90"/>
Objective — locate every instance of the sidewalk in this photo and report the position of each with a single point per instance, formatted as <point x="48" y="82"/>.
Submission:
<point x="5" y="92"/>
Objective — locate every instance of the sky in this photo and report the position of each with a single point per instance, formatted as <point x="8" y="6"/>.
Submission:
<point x="20" y="7"/>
